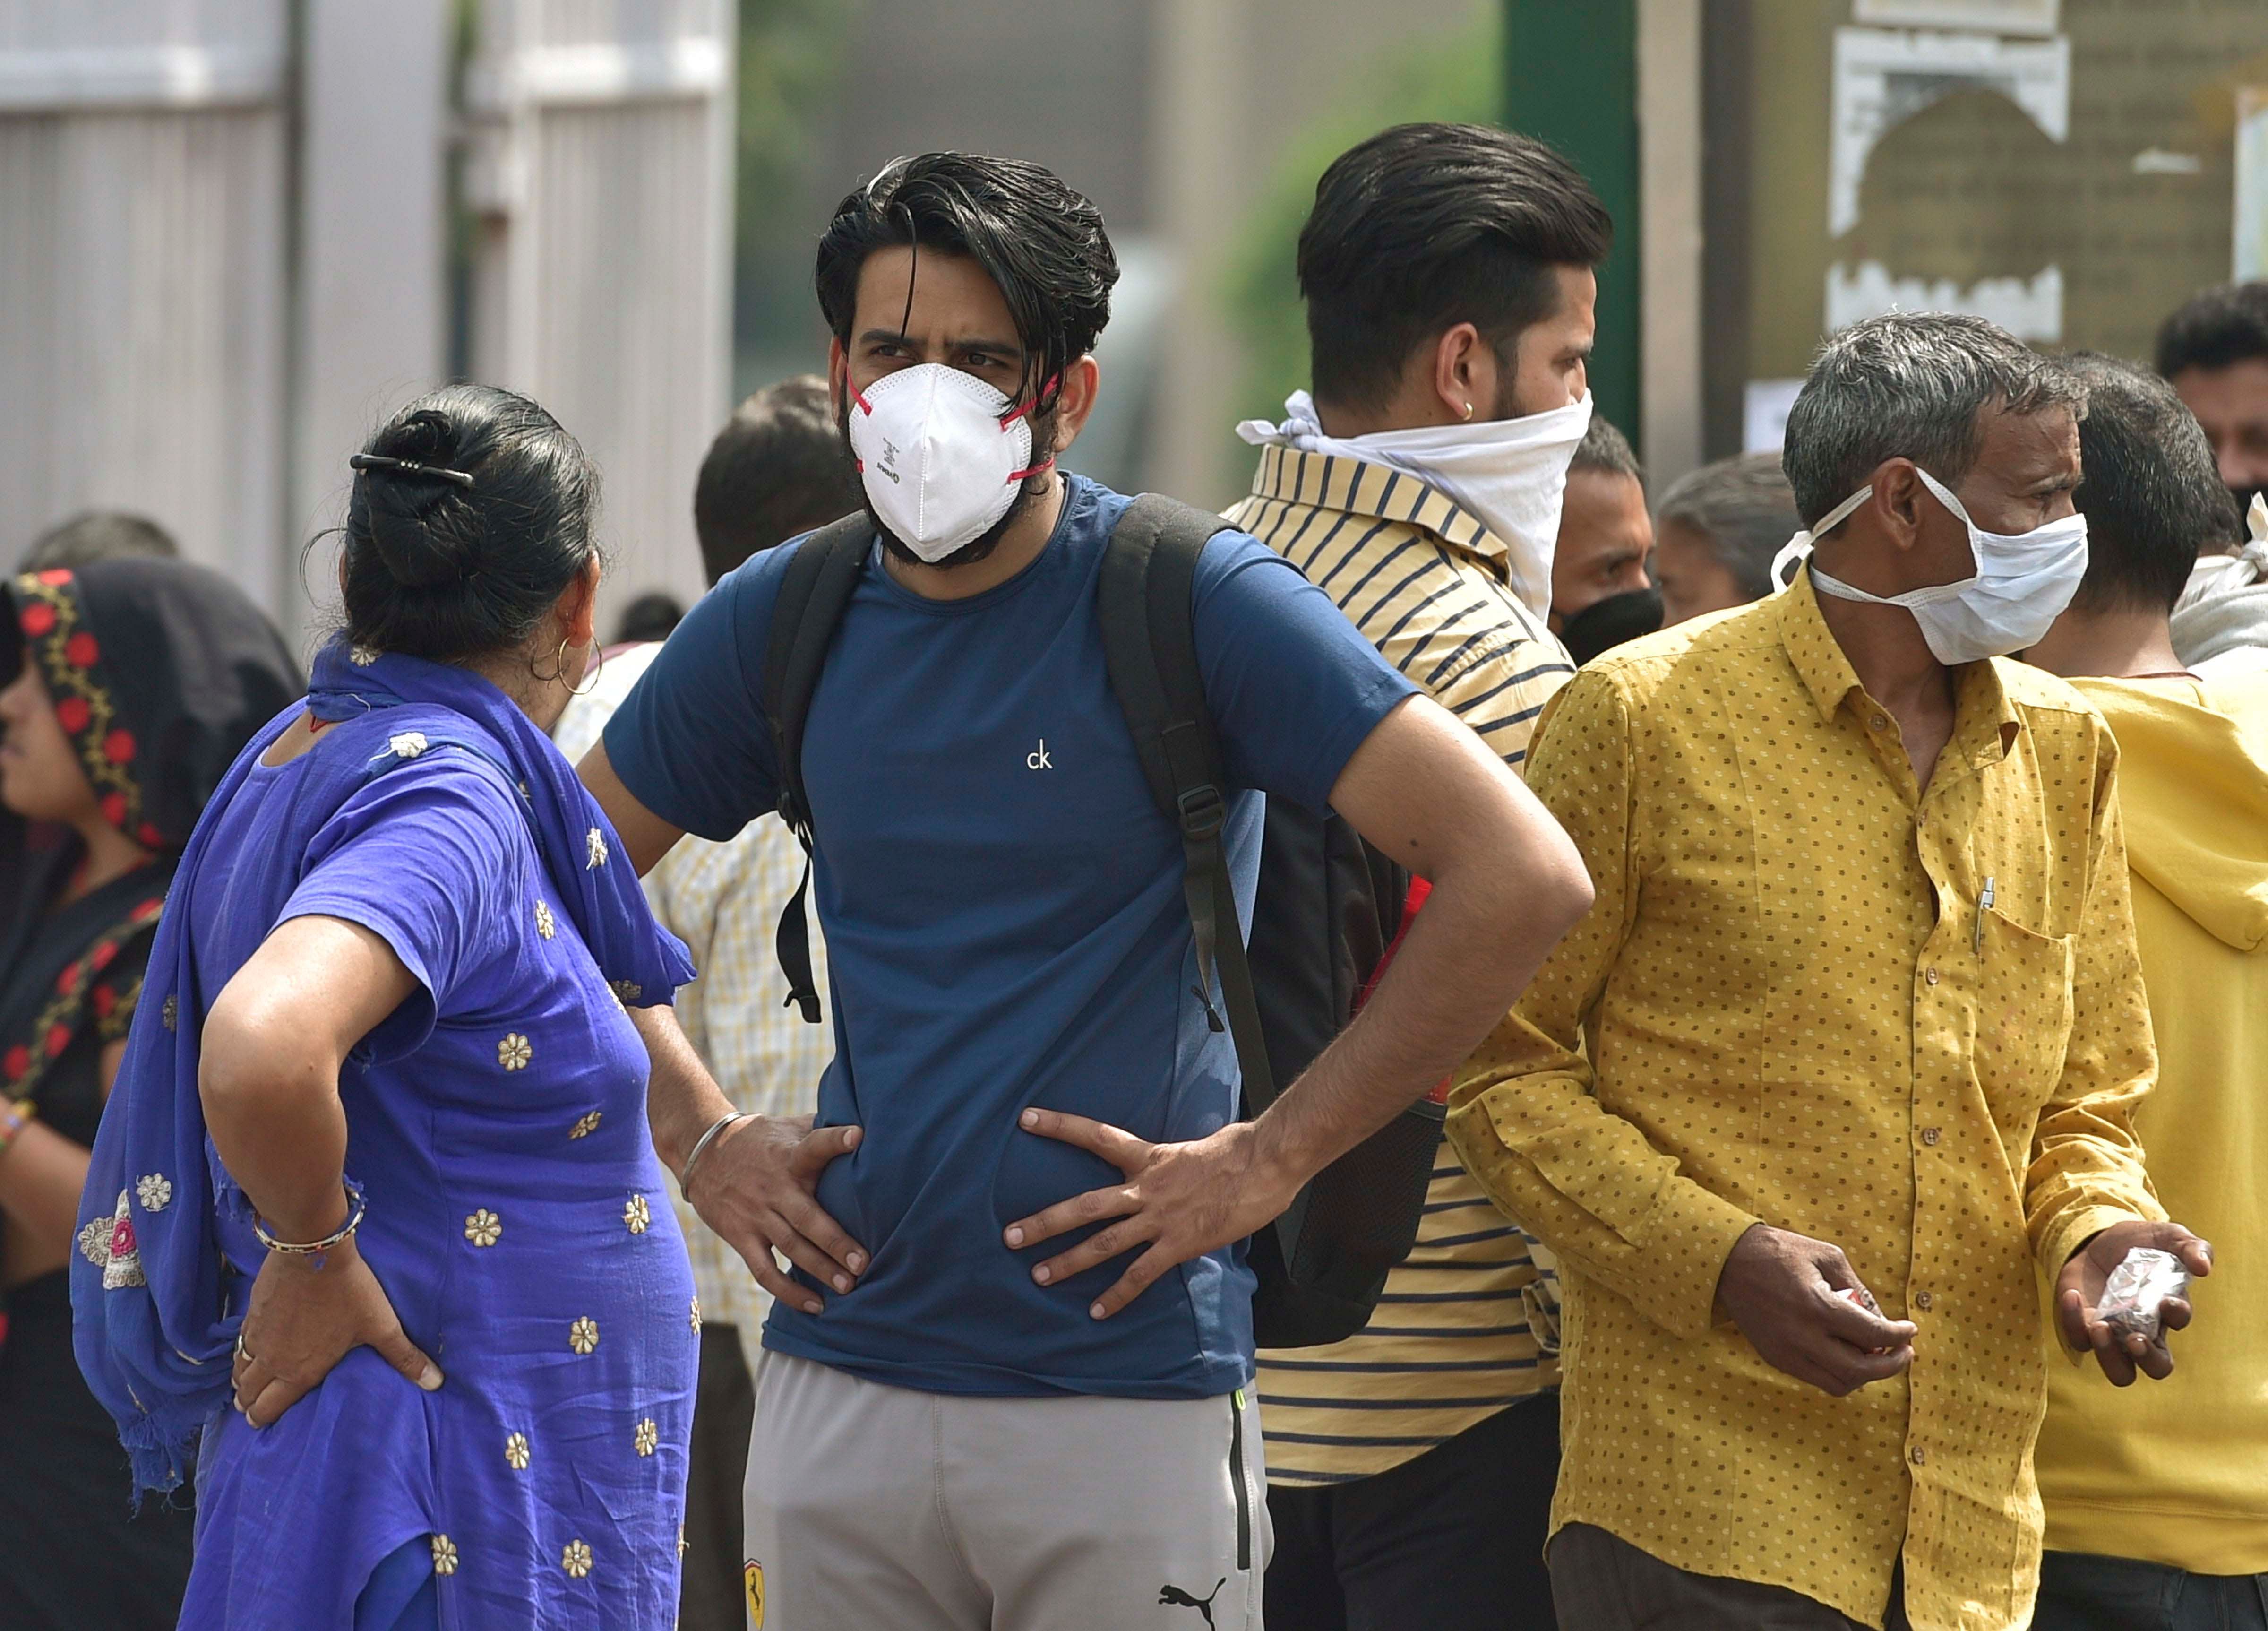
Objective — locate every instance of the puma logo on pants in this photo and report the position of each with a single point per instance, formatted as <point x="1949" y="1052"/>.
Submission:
<point x="1175" y="1597"/>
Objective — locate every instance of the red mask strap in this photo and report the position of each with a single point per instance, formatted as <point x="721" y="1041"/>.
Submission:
<point x="1015" y="414"/>
<point x="1044" y="464"/>
<point x="865" y="407"/>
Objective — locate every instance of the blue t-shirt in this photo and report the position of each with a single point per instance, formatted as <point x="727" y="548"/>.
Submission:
<point x="1006" y="926"/>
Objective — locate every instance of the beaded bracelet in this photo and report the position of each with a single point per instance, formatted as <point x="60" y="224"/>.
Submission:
<point x="14" y="1117"/>
<point x="314" y="1248"/>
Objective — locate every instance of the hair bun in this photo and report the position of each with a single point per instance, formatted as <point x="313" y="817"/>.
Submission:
<point x="471" y="513"/>
<point x="425" y="533"/>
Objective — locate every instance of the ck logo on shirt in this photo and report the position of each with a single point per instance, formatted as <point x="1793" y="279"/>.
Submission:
<point x="1037" y="759"/>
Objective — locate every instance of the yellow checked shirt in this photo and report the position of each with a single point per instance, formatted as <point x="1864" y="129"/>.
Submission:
<point x="1454" y="1338"/>
<point x="1803" y="1014"/>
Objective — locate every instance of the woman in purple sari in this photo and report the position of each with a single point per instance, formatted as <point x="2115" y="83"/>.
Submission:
<point x="375" y="1212"/>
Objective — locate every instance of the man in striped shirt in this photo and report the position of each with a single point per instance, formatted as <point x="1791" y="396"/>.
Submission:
<point x="1447" y="272"/>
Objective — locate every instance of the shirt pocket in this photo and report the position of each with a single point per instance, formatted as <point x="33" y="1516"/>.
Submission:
<point x="2023" y="1018"/>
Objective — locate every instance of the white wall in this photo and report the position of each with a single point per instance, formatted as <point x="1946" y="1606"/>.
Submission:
<point x="1235" y="82"/>
<point x="602" y="170"/>
<point x="141" y="257"/>
<point x="370" y="312"/>
<point x="207" y="303"/>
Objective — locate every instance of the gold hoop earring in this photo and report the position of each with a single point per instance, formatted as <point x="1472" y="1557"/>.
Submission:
<point x="1469" y="411"/>
<point x="559" y="669"/>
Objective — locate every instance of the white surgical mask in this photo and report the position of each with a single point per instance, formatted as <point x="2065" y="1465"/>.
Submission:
<point x="1510" y="474"/>
<point x="941" y="455"/>
<point x="2023" y="583"/>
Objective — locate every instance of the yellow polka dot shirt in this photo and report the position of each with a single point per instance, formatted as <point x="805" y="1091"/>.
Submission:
<point x="1908" y="1021"/>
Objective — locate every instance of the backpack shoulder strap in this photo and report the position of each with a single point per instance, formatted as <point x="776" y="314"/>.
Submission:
<point x="814" y="591"/>
<point x="1146" y="604"/>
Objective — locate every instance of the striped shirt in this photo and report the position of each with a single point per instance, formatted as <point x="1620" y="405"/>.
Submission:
<point x="1468" y="1322"/>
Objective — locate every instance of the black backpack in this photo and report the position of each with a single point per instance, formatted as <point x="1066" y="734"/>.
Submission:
<point x="1328" y="906"/>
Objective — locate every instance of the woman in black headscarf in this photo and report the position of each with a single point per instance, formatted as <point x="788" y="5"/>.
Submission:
<point x="131" y="686"/>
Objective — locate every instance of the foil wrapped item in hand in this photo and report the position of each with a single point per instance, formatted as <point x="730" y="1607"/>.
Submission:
<point x="1859" y="1296"/>
<point x="2137" y="1289"/>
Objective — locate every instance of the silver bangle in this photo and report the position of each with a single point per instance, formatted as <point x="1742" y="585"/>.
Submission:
<point x="314" y="1248"/>
<point x="700" y="1148"/>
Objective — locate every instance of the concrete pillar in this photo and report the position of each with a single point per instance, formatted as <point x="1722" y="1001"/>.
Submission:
<point x="1202" y="180"/>
<point x="369" y="313"/>
<point x="1669" y="237"/>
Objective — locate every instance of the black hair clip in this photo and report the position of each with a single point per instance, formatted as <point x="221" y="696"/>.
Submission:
<point x="384" y="464"/>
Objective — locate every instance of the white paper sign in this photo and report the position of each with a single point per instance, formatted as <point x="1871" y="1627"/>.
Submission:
<point x="1996" y="16"/>
<point x="2030" y="308"/>
<point x="1883" y="78"/>
<point x="2252" y="234"/>
<point x="1763" y="413"/>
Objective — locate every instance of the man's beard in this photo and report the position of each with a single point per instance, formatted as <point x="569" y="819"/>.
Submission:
<point x="1029" y="491"/>
<point x="1506" y="405"/>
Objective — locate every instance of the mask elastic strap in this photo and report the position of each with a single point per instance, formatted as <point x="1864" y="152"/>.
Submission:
<point x="1840" y="514"/>
<point x="865" y="407"/>
<point x="1944" y="496"/>
<point x="1014" y="414"/>
<point x="1798" y="548"/>
<point x="1024" y="412"/>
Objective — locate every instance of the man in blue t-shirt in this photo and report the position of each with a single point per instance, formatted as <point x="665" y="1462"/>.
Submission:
<point x="1006" y="1386"/>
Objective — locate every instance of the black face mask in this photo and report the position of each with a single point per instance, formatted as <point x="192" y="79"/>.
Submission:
<point x="1604" y="625"/>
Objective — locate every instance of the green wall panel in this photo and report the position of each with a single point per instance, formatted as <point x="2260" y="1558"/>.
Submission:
<point x="1571" y="77"/>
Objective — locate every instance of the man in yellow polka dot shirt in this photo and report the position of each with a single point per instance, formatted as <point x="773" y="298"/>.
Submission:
<point x="1833" y="1091"/>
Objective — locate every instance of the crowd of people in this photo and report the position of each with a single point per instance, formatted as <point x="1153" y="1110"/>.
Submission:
<point x="1736" y="981"/>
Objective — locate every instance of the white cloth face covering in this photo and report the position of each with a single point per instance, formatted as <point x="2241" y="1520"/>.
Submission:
<point x="1510" y="474"/>
<point x="2220" y="624"/>
<point x="941" y="454"/>
<point x="2021" y="585"/>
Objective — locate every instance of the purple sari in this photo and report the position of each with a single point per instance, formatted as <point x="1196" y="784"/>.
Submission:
<point x="497" y="1127"/>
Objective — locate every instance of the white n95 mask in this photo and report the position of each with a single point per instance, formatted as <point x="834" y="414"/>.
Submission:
<point x="2023" y="583"/>
<point x="1510" y="474"/>
<point x="941" y="455"/>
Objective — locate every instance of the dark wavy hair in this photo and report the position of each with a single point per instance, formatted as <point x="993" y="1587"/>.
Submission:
<point x="2216" y="329"/>
<point x="449" y="570"/>
<point x="2150" y="489"/>
<point x="1042" y="243"/>
<point x="1425" y="226"/>
<point x="778" y="468"/>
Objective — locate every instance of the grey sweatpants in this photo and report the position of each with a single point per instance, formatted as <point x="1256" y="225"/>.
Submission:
<point x="872" y="1507"/>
